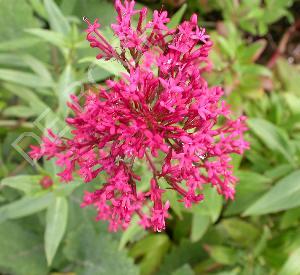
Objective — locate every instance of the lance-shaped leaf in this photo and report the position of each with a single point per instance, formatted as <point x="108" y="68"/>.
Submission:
<point x="272" y="137"/>
<point x="284" y="195"/>
<point x="56" y="223"/>
<point x="56" y="19"/>
<point x="25" y="206"/>
<point x="24" y="78"/>
<point x="28" y="184"/>
<point x="177" y="17"/>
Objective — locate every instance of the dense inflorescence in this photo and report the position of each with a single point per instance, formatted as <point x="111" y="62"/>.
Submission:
<point x="161" y="112"/>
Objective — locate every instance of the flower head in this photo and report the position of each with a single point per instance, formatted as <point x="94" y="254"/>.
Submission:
<point x="161" y="112"/>
<point x="46" y="182"/>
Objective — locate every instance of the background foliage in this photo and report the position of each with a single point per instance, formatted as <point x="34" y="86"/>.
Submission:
<point x="44" y="58"/>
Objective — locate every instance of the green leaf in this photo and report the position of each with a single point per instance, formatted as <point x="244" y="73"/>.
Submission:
<point x="56" y="19"/>
<point x="255" y="69"/>
<point x="67" y="189"/>
<point x="184" y="270"/>
<point x="212" y="204"/>
<point x="20" y="111"/>
<point x="279" y="171"/>
<point x="291" y="266"/>
<point x="56" y="223"/>
<point x="250" y="182"/>
<point x="55" y="38"/>
<point x="293" y="102"/>
<point x="152" y="249"/>
<point x="249" y="186"/>
<point x="261" y="244"/>
<point x="15" y="15"/>
<point x="132" y="232"/>
<point x="284" y="195"/>
<point x="222" y="254"/>
<point x="67" y="6"/>
<point x="38" y="67"/>
<point x="39" y="8"/>
<point x="89" y="245"/>
<point x="240" y="231"/>
<point x="11" y="60"/>
<point x="184" y="253"/>
<point x="176" y="205"/>
<point x="66" y="86"/>
<point x="24" y="78"/>
<point x="28" y="96"/>
<point x="200" y="224"/>
<point x="93" y="253"/>
<point x="111" y="66"/>
<point x="25" y="206"/>
<point x="25" y="183"/>
<point x="249" y="53"/>
<point x="290" y="218"/>
<point x="272" y="137"/>
<point x="226" y="46"/>
<point x="18" y="43"/>
<point x="50" y="164"/>
<point x="289" y="76"/>
<point x="177" y="17"/>
<point x="21" y="251"/>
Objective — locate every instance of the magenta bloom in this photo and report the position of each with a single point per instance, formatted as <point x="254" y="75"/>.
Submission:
<point x="161" y="112"/>
<point x="46" y="182"/>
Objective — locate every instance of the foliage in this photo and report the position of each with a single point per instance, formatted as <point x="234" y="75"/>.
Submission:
<point x="44" y="58"/>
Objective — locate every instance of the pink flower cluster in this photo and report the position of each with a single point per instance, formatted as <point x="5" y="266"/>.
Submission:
<point x="161" y="112"/>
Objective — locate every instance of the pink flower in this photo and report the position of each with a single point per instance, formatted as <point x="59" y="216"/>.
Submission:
<point x="46" y="182"/>
<point x="161" y="112"/>
<point x="159" y="214"/>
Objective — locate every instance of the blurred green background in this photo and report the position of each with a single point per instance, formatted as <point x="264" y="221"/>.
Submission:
<point x="44" y="58"/>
